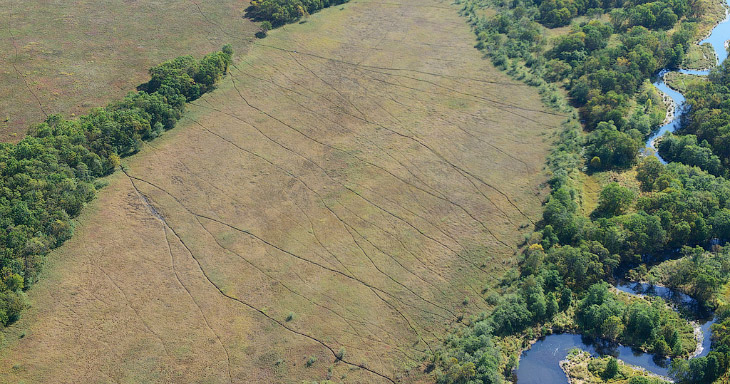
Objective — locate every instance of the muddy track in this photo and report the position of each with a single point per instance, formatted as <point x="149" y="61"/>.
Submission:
<point x="240" y="301"/>
<point x="378" y="291"/>
<point x="415" y="139"/>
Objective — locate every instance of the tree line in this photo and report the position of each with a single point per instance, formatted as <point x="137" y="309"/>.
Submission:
<point x="47" y="177"/>
<point x="280" y="12"/>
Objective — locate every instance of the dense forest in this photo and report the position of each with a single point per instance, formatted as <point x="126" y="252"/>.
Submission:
<point x="46" y="178"/>
<point x="604" y="62"/>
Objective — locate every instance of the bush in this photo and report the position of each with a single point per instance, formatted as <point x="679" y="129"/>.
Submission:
<point x="611" y="369"/>
<point x="614" y="200"/>
<point x="280" y="12"/>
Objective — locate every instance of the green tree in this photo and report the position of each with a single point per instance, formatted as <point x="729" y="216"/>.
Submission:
<point x="614" y="200"/>
<point x="612" y="328"/>
<point x="613" y="147"/>
<point x="611" y="368"/>
<point x="648" y="171"/>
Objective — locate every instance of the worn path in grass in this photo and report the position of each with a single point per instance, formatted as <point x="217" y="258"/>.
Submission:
<point x="352" y="181"/>
<point x="68" y="56"/>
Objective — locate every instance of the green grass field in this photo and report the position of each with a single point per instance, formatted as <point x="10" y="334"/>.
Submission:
<point x="353" y="181"/>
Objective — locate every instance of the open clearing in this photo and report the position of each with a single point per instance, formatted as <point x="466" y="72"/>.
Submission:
<point x="352" y="181"/>
<point x="68" y="56"/>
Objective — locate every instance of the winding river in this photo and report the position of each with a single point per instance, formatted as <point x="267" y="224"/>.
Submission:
<point x="719" y="35"/>
<point x="540" y="364"/>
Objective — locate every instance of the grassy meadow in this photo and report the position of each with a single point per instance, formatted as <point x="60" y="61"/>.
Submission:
<point x="351" y="191"/>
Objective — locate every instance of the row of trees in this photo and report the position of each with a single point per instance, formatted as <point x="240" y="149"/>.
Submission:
<point x="280" y="12"/>
<point x="46" y="178"/>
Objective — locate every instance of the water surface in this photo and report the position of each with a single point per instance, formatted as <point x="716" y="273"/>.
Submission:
<point x="719" y="35"/>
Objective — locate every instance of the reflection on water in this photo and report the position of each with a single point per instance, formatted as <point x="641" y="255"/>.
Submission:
<point x="678" y="101"/>
<point x="541" y="363"/>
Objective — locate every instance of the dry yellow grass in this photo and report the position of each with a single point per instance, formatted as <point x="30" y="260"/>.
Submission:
<point x="68" y="56"/>
<point x="365" y="171"/>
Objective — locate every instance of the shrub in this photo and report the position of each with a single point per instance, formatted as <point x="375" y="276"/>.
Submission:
<point x="311" y="361"/>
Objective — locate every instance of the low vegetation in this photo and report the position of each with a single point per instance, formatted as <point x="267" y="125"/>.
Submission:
<point x="582" y="368"/>
<point x="699" y="274"/>
<point x="46" y="178"/>
<point x="279" y="12"/>
<point x="604" y="66"/>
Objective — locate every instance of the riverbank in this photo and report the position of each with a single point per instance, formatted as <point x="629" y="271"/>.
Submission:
<point x="582" y="368"/>
<point x="670" y="105"/>
<point x="700" y="57"/>
<point x="559" y="248"/>
<point x="698" y="60"/>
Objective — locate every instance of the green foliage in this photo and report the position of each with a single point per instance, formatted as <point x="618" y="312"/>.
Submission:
<point x="511" y="316"/>
<point x="614" y="200"/>
<point x="706" y="128"/>
<point x="613" y="147"/>
<point x="605" y="67"/>
<point x="470" y="356"/>
<point x="311" y="361"/>
<point x="685" y="149"/>
<point x="659" y="14"/>
<point x="699" y="273"/>
<point x="47" y="177"/>
<point x="602" y="79"/>
<point x="280" y="12"/>
<point x="637" y="322"/>
<point x="700" y="370"/>
<point x="611" y="369"/>
<point x="188" y="77"/>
